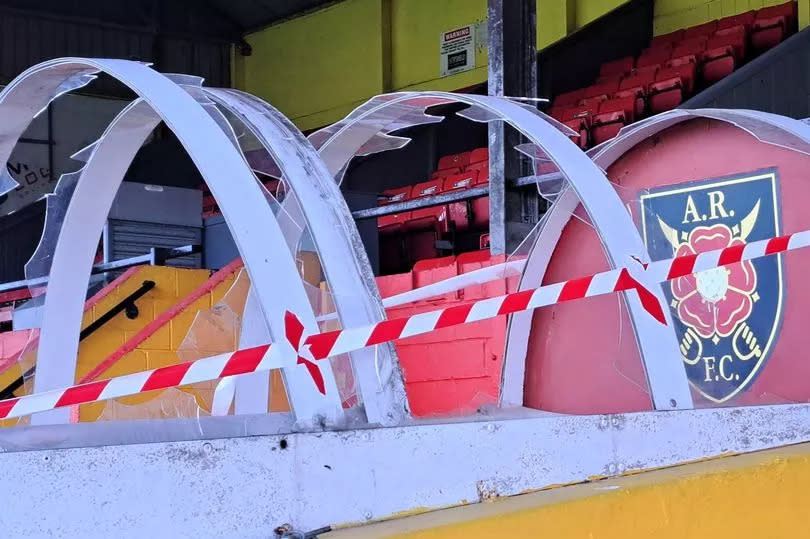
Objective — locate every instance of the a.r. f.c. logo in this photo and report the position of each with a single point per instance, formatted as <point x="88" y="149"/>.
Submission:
<point x="726" y="319"/>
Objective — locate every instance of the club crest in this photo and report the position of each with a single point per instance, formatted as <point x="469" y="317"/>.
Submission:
<point x="726" y="319"/>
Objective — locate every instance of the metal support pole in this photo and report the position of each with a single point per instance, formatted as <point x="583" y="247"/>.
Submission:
<point x="512" y="42"/>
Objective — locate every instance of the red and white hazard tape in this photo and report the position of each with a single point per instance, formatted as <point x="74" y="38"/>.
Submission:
<point x="323" y="345"/>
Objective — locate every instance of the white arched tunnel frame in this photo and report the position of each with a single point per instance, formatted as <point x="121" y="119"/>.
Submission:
<point x="273" y="272"/>
<point x="164" y="100"/>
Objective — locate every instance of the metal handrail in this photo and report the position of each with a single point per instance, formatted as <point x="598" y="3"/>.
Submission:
<point x="127" y="304"/>
<point x="446" y="198"/>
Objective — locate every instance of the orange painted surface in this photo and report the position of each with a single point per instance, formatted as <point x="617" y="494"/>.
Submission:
<point x="454" y="370"/>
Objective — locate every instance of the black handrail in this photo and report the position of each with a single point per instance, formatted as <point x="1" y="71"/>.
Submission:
<point x="127" y="304"/>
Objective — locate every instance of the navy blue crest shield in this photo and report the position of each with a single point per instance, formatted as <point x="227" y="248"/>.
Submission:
<point x="726" y="319"/>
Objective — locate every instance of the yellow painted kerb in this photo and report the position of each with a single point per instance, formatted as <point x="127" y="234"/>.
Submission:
<point x="762" y="495"/>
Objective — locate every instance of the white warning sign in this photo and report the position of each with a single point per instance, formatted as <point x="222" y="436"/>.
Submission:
<point x="457" y="50"/>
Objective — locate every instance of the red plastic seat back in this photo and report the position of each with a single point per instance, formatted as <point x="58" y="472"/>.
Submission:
<point x="478" y="155"/>
<point x="705" y="29"/>
<point x="428" y="217"/>
<point x="666" y="40"/>
<point x="398" y="219"/>
<point x="692" y="47"/>
<point x="639" y="80"/>
<point x="444" y="173"/>
<point x="624" y="105"/>
<point x="651" y="57"/>
<point x="583" y="111"/>
<point x="743" y="19"/>
<point x="617" y="67"/>
<point x="734" y="37"/>
<point x="482" y="168"/>
<point x="456" y="161"/>
<point x="686" y="71"/>
<point x="457" y="211"/>
<point x="788" y="9"/>
<point x="568" y="98"/>
<point x="603" y="88"/>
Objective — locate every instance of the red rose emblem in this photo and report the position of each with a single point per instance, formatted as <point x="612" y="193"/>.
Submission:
<point x="716" y="300"/>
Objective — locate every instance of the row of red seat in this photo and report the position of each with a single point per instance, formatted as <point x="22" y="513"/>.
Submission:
<point x="668" y="72"/>
<point x="412" y="235"/>
<point x="768" y="26"/>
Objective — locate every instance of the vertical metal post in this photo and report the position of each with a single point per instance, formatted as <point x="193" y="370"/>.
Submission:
<point x="512" y="71"/>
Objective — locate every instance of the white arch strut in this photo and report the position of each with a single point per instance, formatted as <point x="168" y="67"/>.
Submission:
<point x="657" y="344"/>
<point x="255" y="231"/>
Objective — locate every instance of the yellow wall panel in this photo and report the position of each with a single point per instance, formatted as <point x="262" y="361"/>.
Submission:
<point x="318" y="67"/>
<point x="189" y="280"/>
<point x="415" y="29"/>
<point x="590" y="10"/>
<point x="159" y="340"/>
<point x="180" y="323"/>
<point x="317" y="62"/>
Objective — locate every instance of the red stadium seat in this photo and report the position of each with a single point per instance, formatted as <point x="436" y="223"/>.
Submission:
<point x="701" y="30"/>
<point x="653" y="57"/>
<point x="666" y="40"/>
<point x="580" y="125"/>
<point x="772" y="25"/>
<point x="617" y="67"/>
<point x="686" y="71"/>
<point x="444" y="173"/>
<point x="601" y="89"/>
<point x="691" y="48"/>
<point x="743" y="19"/>
<point x="636" y="86"/>
<point x="480" y="206"/>
<point x="723" y="54"/>
<point x="646" y="70"/>
<point x="583" y="111"/>
<point x="568" y="99"/>
<point x="482" y="168"/>
<point x="435" y="217"/>
<point x="389" y="224"/>
<point x="458" y="212"/>
<point x="593" y="102"/>
<point x="613" y="115"/>
<point x="456" y="161"/>
<point x="670" y="88"/>
<point x="479" y="154"/>
<point x="735" y="36"/>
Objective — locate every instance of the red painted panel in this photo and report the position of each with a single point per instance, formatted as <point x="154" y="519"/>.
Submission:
<point x="454" y="370"/>
<point x="582" y="355"/>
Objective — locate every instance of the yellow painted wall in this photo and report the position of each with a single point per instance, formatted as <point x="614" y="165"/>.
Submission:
<point x="756" y="495"/>
<point x="415" y="29"/>
<point x="317" y="67"/>
<point x="671" y="15"/>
